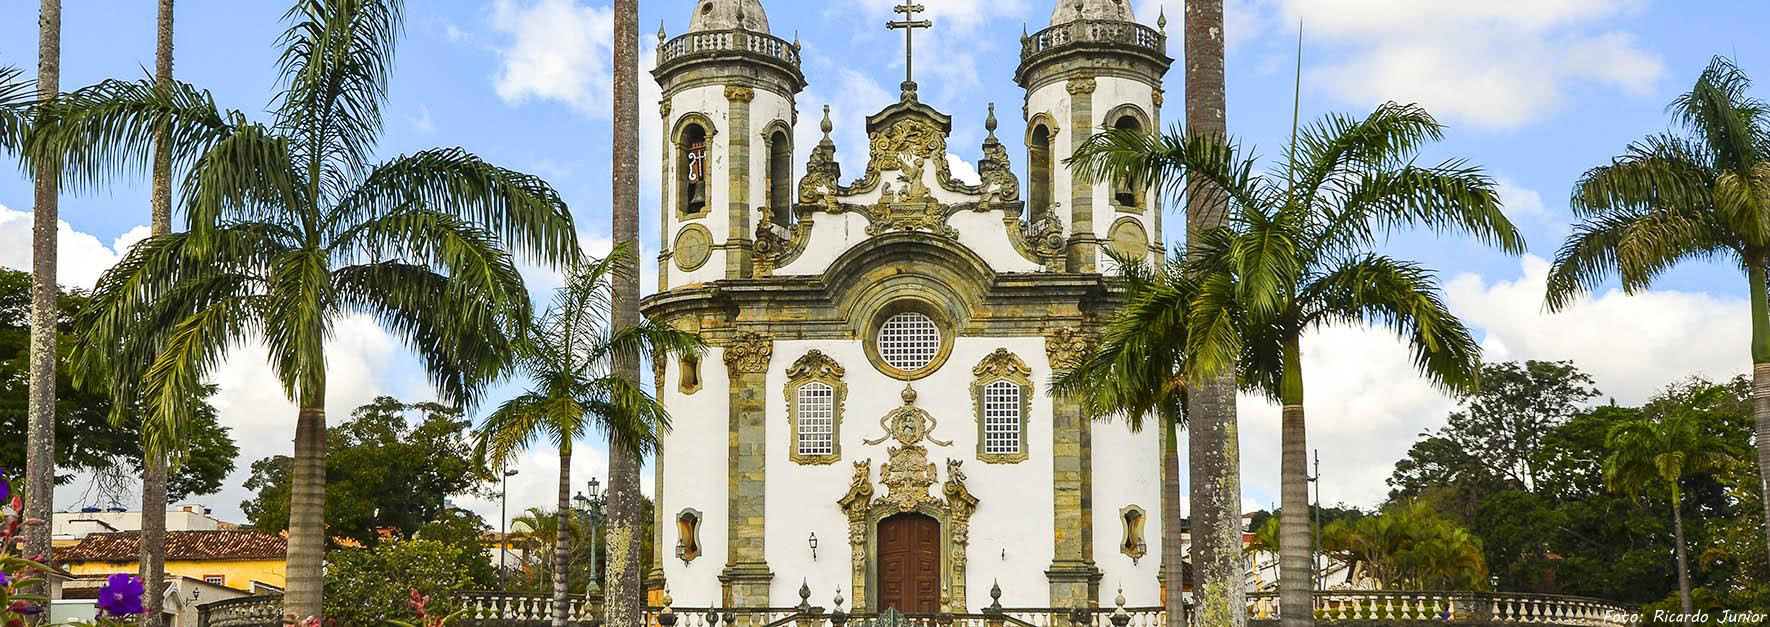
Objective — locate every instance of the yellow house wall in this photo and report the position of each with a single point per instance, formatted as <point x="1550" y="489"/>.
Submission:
<point x="239" y="574"/>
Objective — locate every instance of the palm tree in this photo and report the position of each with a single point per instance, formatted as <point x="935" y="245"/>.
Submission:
<point x="1213" y="441"/>
<point x="1139" y="372"/>
<point x="155" y="468"/>
<point x="542" y="529"/>
<point x="1670" y="198"/>
<point x="40" y="426"/>
<point x="570" y="355"/>
<point x="291" y="227"/>
<point x="1661" y="451"/>
<point x="1410" y="547"/>
<point x="625" y="592"/>
<point x="1296" y="255"/>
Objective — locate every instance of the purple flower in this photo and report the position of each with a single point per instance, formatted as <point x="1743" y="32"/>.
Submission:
<point x="5" y="579"/>
<point x="121" y="595"/>
<point x="5" y="489"/>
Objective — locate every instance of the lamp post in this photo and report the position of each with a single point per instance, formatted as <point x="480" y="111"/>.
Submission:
<point x="504" y="524"/>
<point x="592" y="508"/>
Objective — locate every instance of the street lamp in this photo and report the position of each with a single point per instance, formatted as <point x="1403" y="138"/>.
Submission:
<point x="591" y="506"/>
<point x="504" y="524"/>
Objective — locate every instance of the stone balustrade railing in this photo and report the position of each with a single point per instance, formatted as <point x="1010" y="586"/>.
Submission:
<point x="1352" y="607"/>
<point x="736" y="41"/>
<point x="1469" y="608"/>
<point x="1064" y="35"/>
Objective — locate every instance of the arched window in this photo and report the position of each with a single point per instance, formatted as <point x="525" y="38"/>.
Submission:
<point x="1001" y="418"/>
<point x="1123" y="194"/>
<point x="817" y="420"/>
<point x="780" y="178"/>
<point x="691" y="168"/>
<point x="814" y="409"/>
<point x="1038" y="194"/>
<point x="1003" y="394"/>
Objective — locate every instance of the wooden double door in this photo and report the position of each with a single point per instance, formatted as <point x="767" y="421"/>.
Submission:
<point x="909" y="564"/>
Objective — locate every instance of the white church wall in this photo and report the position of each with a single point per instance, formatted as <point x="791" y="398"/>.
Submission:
<point x="708" y="101"/>
<point x="986" y="234"/>
<point x="1127" y="471"/>
<point x="1110" y="93"/>
<point x="696" y="459"/>
<point x="831" y="235"/>
<point x="1010" y="519"/>
<point x="1014" y="501"/>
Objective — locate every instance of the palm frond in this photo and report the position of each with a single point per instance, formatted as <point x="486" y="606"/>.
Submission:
<point x="1169" y="162"/>
<point x="510" y="429"/>
<point x="1450" y="197"/>
<point x="336" y="60"/>
<point x="1405" y="298"/>
<point x="1658" y="172"/>
<point x="523" y="210"/>
<point x="460" y="325"/>
<point x="1339" y="144"/>
<point x="1720" y="110"/>
<point x="16" y="97"/>
<point x="107" y="130"/>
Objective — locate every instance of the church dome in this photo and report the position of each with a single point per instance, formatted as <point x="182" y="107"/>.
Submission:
<point x="728" y="15"/>
<point x="1073" y="10"/>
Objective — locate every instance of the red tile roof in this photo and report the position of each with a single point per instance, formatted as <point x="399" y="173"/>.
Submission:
<point x="223" y="544"/>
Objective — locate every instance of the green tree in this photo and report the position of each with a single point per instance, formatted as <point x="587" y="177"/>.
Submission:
<point x="1669" y="198"/>
<point x="85" y="439"/>
<point x="569" y="354"/>
<point x="371" y="586"/>
<point x="1296" y="255"/>
<point x="383" y="471"/>
<point x="1660" y="452"/>
<point x="291" y="226"/>
<point x="1409" y="547"/>
<point x="1494" y="443"/>
<point x="466" y="531"/>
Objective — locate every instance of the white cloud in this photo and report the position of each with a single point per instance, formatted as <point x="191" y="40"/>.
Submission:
<point x="422" y="122"/>
<point x="556" y="50"/>
<point x="1367" y="405"/>
<point x="1497" y="64"/>
<point x="963" y="170"/>
<point x="80" y="257"/>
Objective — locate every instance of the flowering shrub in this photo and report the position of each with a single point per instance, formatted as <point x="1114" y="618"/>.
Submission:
<point x="118" y="601"/>
<point x="420" y="604"/>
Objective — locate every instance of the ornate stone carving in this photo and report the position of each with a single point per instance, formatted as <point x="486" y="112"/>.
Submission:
<point x="857" y="504"/>
<point x="815" y="364"/>
<point x="821" y="185"/>
<point x="1079" y="86"/>
<point x="960" y="504"/>
<point x="658" y="363"/>
<point x="739" y="93"/>
<point x="664" y="108"/>
<point x="1157" y="98"/>
<point x="1042" y="240"/>
<point x="770" y="242"/>
<point x="909" y="476"/>
<point x="1000" y="365"/>
<point x="909" y="425"/>
<point x="749" y="352"/>
<point x="1066" y="346"/>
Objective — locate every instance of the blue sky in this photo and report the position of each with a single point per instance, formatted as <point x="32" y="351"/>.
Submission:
<point x="1536" y="91"/>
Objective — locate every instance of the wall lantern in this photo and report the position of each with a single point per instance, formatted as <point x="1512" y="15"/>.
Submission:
<point x="813" y="541"/>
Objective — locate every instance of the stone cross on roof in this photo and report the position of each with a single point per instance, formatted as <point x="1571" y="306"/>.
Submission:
<point x="908" y="25"/>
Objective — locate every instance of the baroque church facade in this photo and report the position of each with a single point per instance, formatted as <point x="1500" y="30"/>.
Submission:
<point x="873" y="416"/>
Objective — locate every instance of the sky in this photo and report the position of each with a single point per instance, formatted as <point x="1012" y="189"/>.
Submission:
<point x="1534" y="91"/>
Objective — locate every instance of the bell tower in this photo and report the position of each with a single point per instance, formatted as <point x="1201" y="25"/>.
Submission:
<point x="1094" y="68"/>
<point x="728" y="107"/>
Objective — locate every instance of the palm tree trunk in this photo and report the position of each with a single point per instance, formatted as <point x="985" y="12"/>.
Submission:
<point x="624" y="594"/>
<point x="1296" y="574"/>
<point x="1214" y="445"/>
<point x="562" y="537"/>
<point x="1683" y="565"/>
<point x="1761" y="385"/>
<point x="307" y="510"/>
<point x="154" y="468"/>
<point x="40" y="461"/>
<point x="1173" y="552"/>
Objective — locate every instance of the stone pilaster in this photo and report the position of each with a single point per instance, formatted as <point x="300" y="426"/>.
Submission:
<point x="1082" y="249"/>
<point x="737" y="241"/>
<point x="666" y="209"/>
<point x="654" y="578"/>
<point x="746" y="575"/>
<point x="1074" y="579"/>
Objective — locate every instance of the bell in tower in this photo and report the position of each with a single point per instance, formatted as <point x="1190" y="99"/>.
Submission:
<point x="695" y="177"/>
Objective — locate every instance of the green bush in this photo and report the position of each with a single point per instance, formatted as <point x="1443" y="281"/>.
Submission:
<point x="371" y="586"/>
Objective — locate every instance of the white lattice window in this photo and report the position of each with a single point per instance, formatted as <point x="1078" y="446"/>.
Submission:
<point x="909" y="341"/>
<point x="817" y="419"/>
<point x="1001" y="418"/>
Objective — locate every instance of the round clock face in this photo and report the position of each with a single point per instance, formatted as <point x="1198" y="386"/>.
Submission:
<point x="693" y="246"/>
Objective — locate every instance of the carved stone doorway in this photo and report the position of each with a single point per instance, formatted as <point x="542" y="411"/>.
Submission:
<point x="909" y="563"/>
